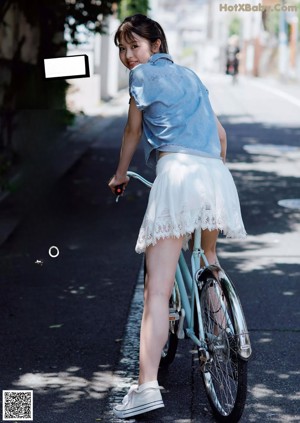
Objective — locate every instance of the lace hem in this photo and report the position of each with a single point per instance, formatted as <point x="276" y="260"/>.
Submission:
<point x="163" y="228"/>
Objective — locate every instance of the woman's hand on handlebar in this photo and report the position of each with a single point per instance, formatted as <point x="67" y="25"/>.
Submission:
<point x="117" y="184"/>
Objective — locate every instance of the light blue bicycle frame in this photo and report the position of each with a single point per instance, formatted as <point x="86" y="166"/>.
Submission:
<point x="189" y="293"/>
<point x="189" y="290"/>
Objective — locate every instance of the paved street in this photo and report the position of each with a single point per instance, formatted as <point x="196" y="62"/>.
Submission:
<point x="69" y="325"/>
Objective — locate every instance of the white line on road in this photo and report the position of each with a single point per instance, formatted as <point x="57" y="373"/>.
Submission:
<point x="127" y="369"/>
<point x="277" y="92"/>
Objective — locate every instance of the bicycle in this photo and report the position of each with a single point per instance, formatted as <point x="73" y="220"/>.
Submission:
<point x="205" y="307"/>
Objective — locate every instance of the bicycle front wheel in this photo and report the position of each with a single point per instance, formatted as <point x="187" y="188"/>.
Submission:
<point x="224" y="373"/>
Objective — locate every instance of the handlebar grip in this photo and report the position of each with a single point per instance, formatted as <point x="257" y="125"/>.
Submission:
<point x="119" y="189"/>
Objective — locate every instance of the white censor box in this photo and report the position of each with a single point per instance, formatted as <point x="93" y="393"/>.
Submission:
<point x="67" y="67"/>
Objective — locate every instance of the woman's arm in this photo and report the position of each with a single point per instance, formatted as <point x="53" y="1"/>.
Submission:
<point x="223" y="139"/>
<point x="131" y="138"/>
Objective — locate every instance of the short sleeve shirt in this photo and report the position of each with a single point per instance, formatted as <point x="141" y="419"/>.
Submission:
<point x="177" y="115"/>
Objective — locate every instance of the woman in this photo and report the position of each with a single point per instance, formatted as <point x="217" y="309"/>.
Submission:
<point x="169" y="109"/>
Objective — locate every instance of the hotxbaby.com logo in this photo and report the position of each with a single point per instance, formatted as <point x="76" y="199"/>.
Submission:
<point x="269" y="5"/>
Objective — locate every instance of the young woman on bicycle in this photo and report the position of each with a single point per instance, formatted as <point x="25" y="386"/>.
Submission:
<point x="170" y="109"/>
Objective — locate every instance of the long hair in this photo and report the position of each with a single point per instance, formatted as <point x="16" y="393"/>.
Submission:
<point x="144" y="27"/>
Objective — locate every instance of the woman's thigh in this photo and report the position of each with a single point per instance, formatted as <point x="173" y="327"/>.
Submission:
<point x="161" y="261"/>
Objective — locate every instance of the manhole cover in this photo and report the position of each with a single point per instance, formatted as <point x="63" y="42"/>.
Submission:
<point x="269" y="149"/>
<point x="292" y="203"/>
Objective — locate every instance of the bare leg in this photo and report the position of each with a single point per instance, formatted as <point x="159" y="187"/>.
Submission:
<point x="208" y="244"/>
<point x="161" y="262"/>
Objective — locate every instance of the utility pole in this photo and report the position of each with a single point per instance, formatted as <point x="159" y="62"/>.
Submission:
<point x="209" y="20"/>
<point x="283" y="44"/>
<point x="292" y="19"/>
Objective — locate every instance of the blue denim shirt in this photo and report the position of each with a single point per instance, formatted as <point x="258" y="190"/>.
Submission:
<point x="177" y="115"/>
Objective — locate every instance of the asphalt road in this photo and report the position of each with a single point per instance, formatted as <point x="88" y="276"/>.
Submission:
<point x="63" y="319"/>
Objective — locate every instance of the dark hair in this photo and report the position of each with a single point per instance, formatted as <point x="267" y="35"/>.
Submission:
<point x="144" y="27"/>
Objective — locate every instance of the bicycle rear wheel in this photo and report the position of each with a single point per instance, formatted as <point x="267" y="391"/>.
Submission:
<point x="224" y="373"/>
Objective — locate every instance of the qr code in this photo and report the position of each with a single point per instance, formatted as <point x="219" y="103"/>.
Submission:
<point x="17" y="405"/>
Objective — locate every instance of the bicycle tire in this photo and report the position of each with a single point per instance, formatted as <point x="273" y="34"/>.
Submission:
<point x="225" y="373"/>
<point x="170" y="348"/>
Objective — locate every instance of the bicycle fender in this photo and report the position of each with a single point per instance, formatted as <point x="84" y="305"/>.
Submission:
<point x="244" y="344"/>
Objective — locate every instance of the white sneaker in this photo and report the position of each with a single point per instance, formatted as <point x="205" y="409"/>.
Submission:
<point x="139" y="400"/>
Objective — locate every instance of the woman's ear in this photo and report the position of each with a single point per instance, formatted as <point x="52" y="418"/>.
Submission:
<point x="156" y="46"/>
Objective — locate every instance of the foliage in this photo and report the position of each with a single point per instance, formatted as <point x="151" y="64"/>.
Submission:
<point x="131" y="7"/>
<point x="25" y="90"/>
<point x="90" y="13"/>
<point x="69" y="13"/>
<point x="234" y="26"/>
<point x="271" y="22"/>
<point x="52" y="17"/>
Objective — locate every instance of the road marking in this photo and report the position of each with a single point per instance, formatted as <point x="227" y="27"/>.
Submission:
<point x="127" y="368"/>
<point x="277" y="92"/>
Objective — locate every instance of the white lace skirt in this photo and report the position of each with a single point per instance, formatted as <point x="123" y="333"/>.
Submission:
<point x="190" y="192"/>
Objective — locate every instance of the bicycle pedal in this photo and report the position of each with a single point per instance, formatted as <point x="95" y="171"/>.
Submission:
<point x="204" y="358"/>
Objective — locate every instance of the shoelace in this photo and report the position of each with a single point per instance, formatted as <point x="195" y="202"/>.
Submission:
<point x="132" y="389"/>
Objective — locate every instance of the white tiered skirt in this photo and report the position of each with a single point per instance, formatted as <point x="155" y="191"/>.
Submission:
<point x="190" y="192"/>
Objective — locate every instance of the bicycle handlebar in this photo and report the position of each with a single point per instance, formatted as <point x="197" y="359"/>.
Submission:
<point x="140" y="178"/>
<point x="119" y="188"/>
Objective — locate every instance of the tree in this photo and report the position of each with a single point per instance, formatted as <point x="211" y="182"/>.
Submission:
<point x="131" y="7"/>
<point x="52" y="17"/>
<point x="234" y="26"/>
<point x="22" y="83"/>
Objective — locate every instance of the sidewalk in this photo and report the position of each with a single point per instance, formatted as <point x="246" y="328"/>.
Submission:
<point x="72" y="145"/>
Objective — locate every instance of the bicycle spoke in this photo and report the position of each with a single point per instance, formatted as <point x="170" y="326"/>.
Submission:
<point x="223" y="381"/>
<point x="226" y="390"/>
<point x="223" y="370"/>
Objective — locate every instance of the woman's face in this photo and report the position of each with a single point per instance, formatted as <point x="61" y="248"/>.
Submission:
<point x="137" y="51"/>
